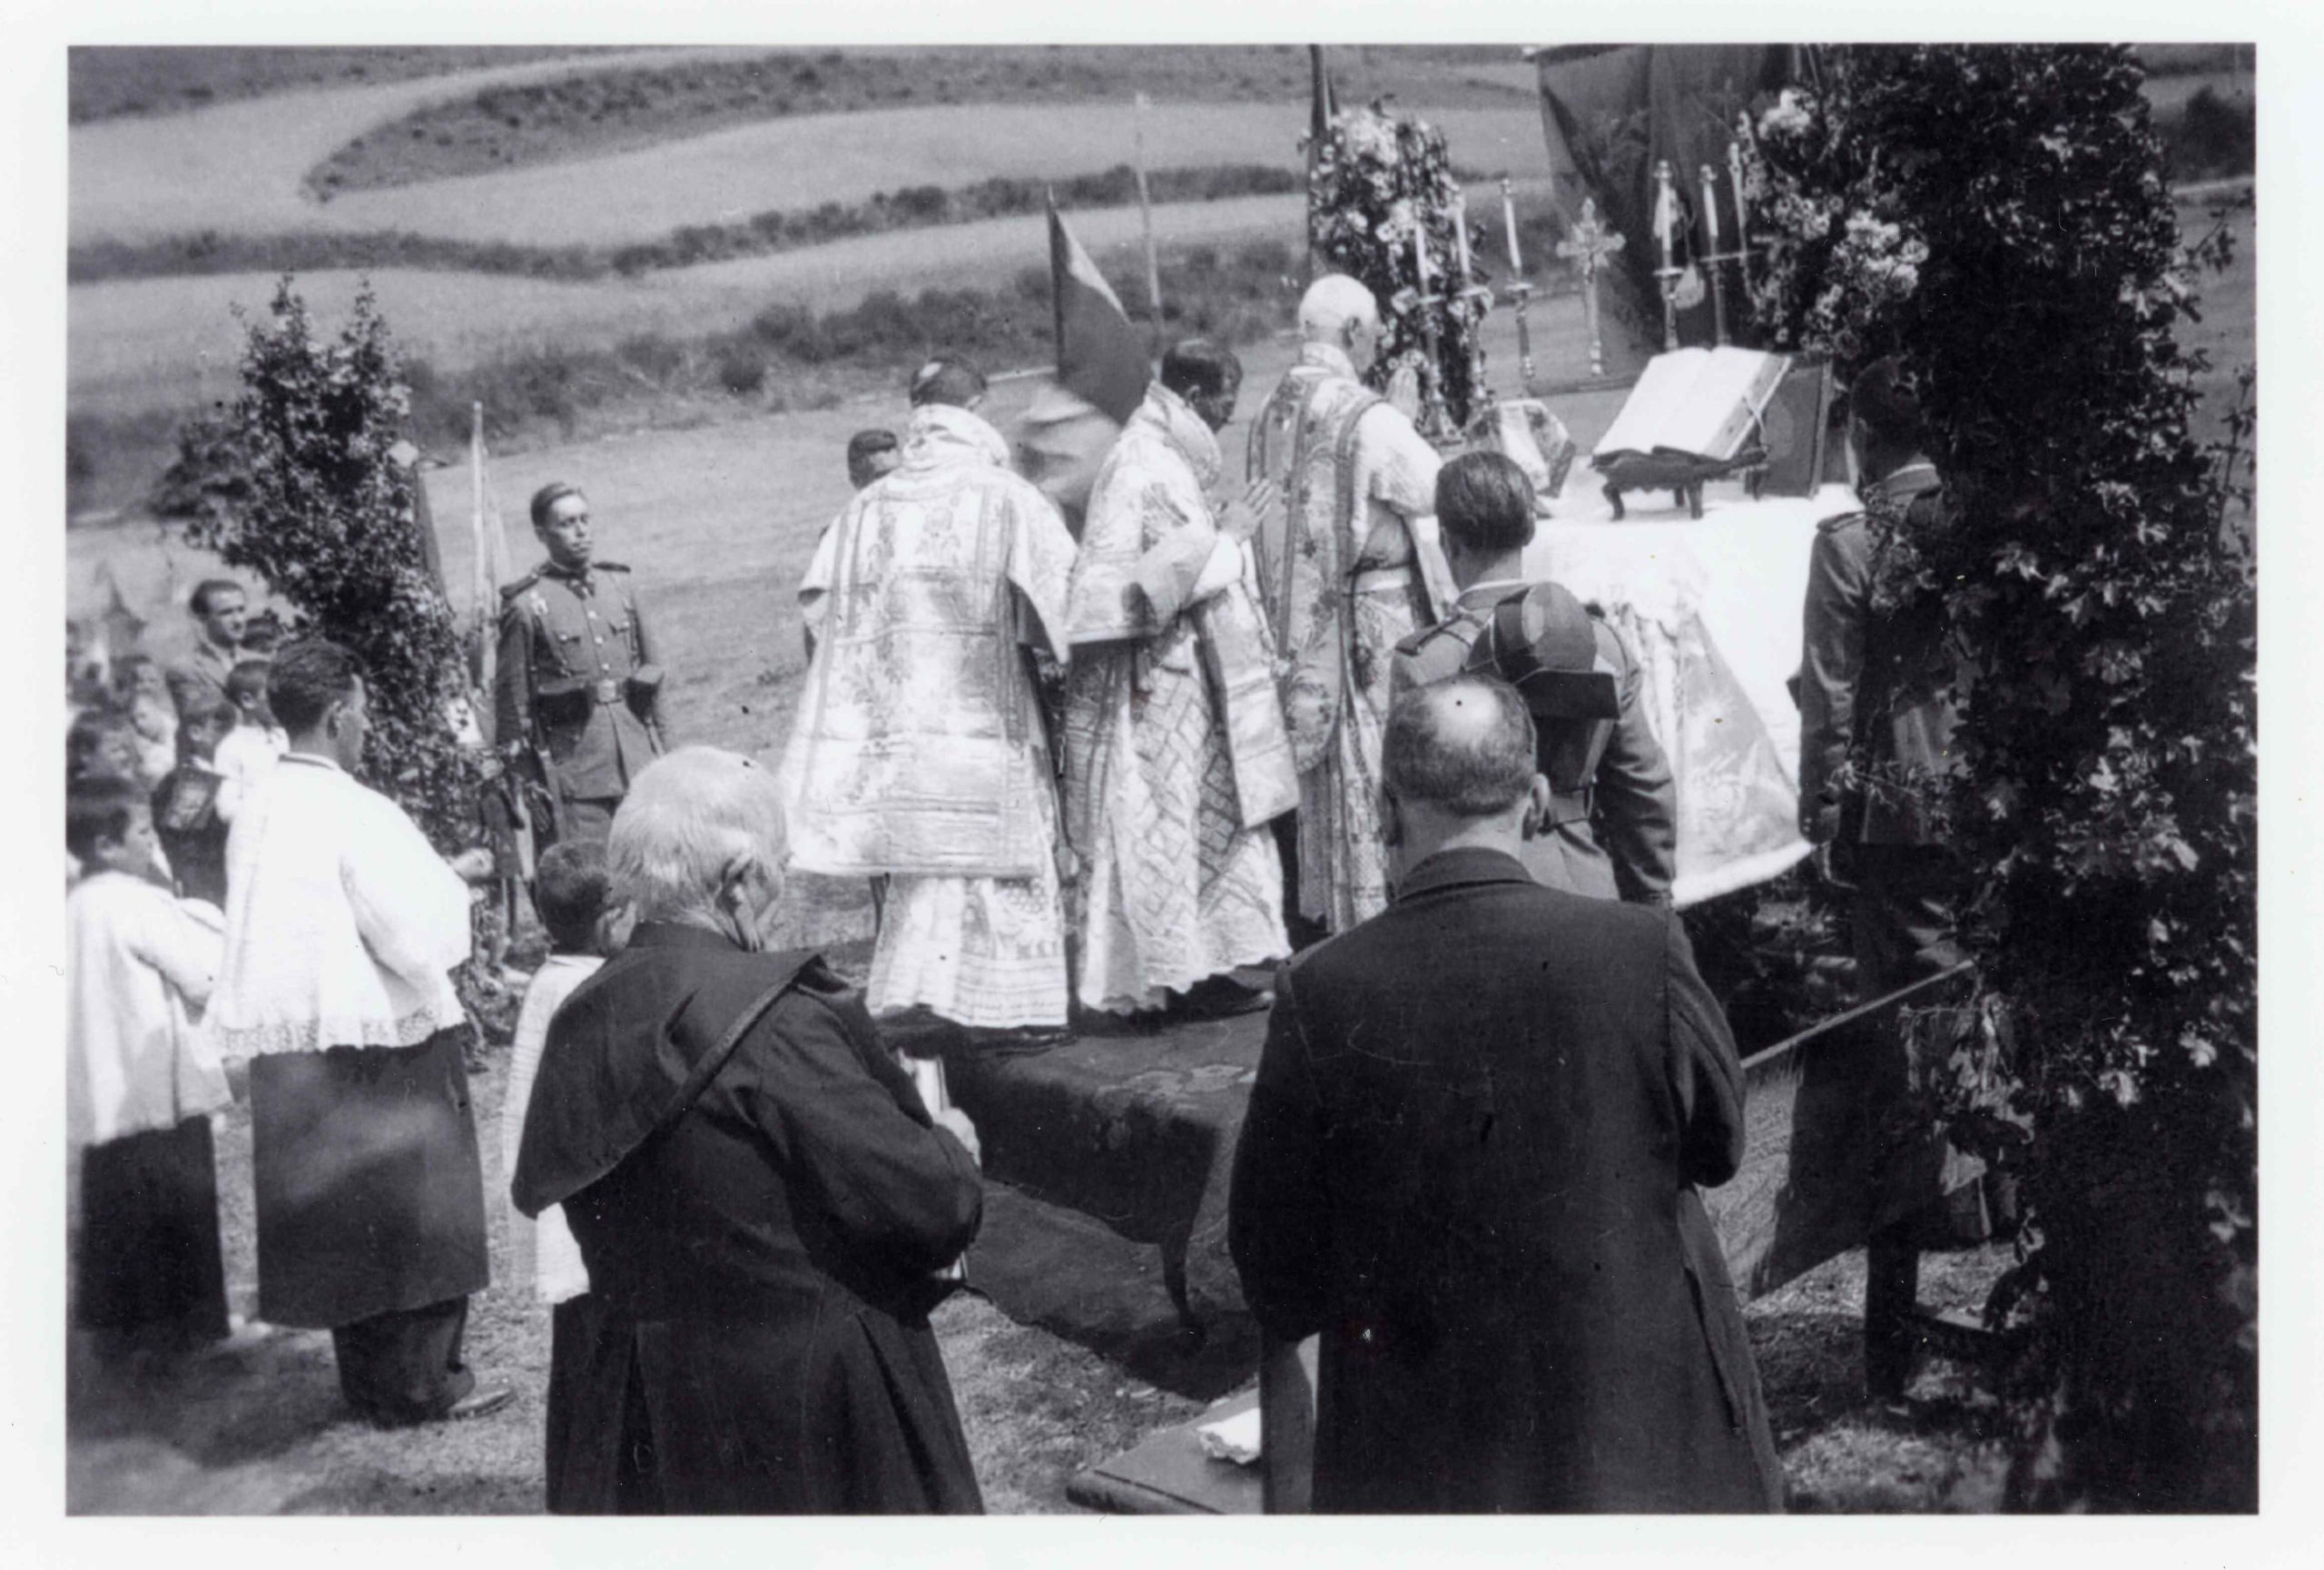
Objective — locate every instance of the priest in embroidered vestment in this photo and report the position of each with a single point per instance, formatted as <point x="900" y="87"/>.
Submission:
<point x="342" y="927"/>
<point x="1343" y="581"/>
<point x="1175" y="753"/>
<point x="919" y="751"/>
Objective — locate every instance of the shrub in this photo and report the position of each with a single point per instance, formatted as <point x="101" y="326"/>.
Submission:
<point x="741" y="368"/>
<point x="1955" y="206"/>
<point x="294" y="482"/>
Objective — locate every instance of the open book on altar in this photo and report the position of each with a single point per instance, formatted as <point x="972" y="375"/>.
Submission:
<point x="1693" y="402"/>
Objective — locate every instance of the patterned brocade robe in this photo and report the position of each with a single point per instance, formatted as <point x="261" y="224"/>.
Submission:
<point x="1344" y="583"/>
<point x="1180" y="880"/>
<point x="919" y="748"/>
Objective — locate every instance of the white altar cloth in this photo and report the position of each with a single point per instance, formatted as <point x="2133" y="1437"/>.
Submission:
<point x="1712" y="608"/>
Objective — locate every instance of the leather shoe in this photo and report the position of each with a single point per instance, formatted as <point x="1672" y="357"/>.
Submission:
<point x="480" y="1402"/>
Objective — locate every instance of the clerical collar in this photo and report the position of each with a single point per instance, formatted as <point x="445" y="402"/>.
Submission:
<point x="316" y="758"/>
<point x="1331" y="357"/>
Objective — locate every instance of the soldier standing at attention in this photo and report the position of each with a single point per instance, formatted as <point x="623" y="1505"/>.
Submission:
<point x="578" y="685"/>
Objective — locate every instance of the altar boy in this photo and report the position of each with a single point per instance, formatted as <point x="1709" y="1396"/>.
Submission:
<point x="141" y="1082"/>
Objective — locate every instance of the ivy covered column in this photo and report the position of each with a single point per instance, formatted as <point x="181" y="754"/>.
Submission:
<point x="1998" y="216"/>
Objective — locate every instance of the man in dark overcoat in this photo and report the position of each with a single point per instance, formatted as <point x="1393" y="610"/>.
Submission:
<point x="764" y="1203"/>
<point x="1470" y="1162"/>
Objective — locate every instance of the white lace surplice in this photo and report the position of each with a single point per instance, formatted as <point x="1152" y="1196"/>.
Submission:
<point x="919" y="749"/>
<point x="1173" y="889"/>
<point x="342" y="923"/>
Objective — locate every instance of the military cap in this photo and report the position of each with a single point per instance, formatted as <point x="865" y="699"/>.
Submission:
<point x="1544" y="642"/>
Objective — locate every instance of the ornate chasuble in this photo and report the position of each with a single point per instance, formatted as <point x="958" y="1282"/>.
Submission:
<point x="1157" y="522"/>
<point x="1343" y="583"/>
<point x="1175" y="757"/>
<point x="919" y="746"/>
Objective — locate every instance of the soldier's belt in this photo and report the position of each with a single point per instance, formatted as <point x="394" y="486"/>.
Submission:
<point x="605" y="692"/>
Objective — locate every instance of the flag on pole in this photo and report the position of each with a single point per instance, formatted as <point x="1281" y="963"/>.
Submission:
<point x="1101" y="375"/>
<point x="1320" y="109"/>
<point x="1100" y="358"/>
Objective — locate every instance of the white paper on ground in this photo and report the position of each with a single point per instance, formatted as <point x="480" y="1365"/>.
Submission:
<point x="1234" y="1438"/>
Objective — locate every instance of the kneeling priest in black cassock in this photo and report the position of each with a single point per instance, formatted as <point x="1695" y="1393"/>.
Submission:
<point x="763" y="1202"/>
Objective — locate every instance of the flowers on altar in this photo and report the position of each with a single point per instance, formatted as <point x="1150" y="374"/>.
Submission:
<point x="1380" y="178"/>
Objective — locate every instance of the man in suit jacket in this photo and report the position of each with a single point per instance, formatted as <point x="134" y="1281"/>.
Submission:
<point x="1470" y="1162"/>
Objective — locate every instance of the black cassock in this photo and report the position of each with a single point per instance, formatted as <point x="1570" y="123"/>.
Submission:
<point x="762" y="1260"/>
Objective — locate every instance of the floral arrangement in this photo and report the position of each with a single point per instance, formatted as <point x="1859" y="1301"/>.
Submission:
<point x="1379" y="177"/>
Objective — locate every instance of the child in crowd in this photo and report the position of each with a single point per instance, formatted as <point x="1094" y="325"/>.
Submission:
<point x="143" y="693"/>
<point x="194" y="802"/>
<point x="256" y="744"/>
<point x="141" y="1082"/>
<point x="569" y="891"/>
<point x="100" y="747"/>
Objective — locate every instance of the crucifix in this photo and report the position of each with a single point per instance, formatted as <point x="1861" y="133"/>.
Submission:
<point x="1591" y="244"/>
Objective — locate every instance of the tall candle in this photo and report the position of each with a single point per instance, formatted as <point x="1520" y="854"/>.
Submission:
<point x="1460" y="234"/>
<point x="1509" y="218"/>
<point x="1420" y="256"/>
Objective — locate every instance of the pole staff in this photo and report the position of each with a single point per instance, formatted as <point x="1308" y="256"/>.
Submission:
<point x="1145" y="220"/>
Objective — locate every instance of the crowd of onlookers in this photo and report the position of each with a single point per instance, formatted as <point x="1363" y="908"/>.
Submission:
<point x="158" y="759"/>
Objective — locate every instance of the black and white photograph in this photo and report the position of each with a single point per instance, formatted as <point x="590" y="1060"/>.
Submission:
<point x="1409" y="765"/>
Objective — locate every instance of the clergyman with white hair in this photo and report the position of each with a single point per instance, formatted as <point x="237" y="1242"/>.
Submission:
<point x="765" y="1204"/>
<point x="1344" y="579"/>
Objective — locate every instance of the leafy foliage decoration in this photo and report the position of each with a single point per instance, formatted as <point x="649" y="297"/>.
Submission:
<point x="1378" y="175"/>
<point x="1997" y="215"/>
<point x="293" y="481"/>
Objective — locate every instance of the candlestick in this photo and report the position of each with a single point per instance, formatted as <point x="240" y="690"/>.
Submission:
<point x="1711" y="259"/>
<point x="1508" y="220"/>
<point x="1460" y="237"/>
<point x="1420" y="256"/>
<point x="1666" y="227"/>
<point x="1742" y="214"/>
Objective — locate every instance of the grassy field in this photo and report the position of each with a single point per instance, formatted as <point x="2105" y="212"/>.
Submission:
<point x="108" y="82"/>
<point x="587" y="116"/>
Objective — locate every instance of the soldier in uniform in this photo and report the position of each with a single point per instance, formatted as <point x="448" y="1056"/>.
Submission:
<point x="1878" y="690"/>
<point x="578" y="685"/>
<point x="1611" y="831"/>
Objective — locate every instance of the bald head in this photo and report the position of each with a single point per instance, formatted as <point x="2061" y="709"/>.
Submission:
<point x="1338" y="311"/>
<point x="1463" y="748"/>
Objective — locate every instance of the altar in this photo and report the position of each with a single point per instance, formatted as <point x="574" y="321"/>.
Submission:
<point x="1711" y="606"/>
